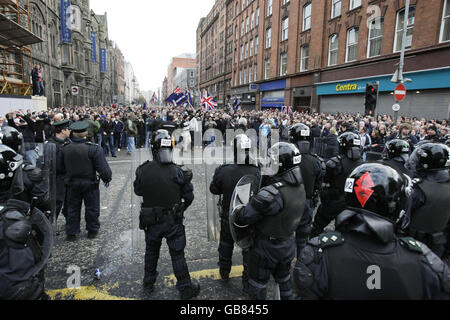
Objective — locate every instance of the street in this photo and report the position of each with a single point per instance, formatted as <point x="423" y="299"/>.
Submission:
<point x="119" y="251"/>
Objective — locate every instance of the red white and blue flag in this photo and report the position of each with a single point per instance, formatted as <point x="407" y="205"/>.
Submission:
<point x="287" y="110"/>
<point x="208" y="102"/>
<point x="154" y="99"/>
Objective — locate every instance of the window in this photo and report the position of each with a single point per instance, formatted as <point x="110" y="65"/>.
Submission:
<point x="335" y="8"/>
<point x="268" y="38"/>
<point x="333" y="51"/>
<point x="352" y="45"/>
<point x="355" y="4"/>
<point x="409" y="29"/>
<point x="304" y="58"/>
<point x="242" y="5"/>
<point x="307" y="17"/>
<point x="283" y="64"/>
<point x="237" y="33"/>
<point x="242" y="28"/>
<point x="250" y="74"/>
<point x="445" y="28"/>
<point x="252" y="21"/>
<point x="247" y="25"/>
<point x="285" y="29"/>
<point x="256" y="45"/>
<point x="246" y="50"/>
<point x="242" y="53"/>
<point x="251" y="48"/>
<point x="240" y="77"/>
<point x="375" y="38"/>
<point x="245" y="76"/>
<point x="285" y="2"/>
<point x="257" y="17"/>
<point x="267" y="69"/>
<point x="269" y="8"/>
<point x="256" y="72"/>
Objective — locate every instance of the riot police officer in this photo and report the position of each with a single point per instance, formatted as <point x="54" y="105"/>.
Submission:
<point x="225" y="179"/>
<point x="162" y="212"/>
<point x="31" y="177"/>
<point x="430" y="164"/>
<point x="337" y="171"/>
<point x="313" y="170"/>
<point x="396" y="154"/>
<point x="275" y="212"/>
<point x="26" y="237"/>
<point x="61" y="133"/>
<point x="364" y="259"/>
<point x="80" y="160"/>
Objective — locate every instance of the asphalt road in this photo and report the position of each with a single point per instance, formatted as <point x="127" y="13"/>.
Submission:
<point x="118" y="252"/>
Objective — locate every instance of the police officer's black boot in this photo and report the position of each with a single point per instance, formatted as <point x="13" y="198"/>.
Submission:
<point x="149" y="288"/>
<point x="191" y="292"/>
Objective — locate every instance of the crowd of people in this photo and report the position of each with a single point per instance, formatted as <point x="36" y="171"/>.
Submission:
<point x="116" y="127"/>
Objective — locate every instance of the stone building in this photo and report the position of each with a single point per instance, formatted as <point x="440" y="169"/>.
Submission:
<point x="75" y="63"/>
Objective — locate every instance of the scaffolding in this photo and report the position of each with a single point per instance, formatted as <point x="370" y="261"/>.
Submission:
<point x="16" y="40"/>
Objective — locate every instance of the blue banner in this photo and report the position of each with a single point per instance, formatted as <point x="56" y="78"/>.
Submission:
<point x="66" y="32"/>
<point x="94" y="46"/>
<point x="102" y="60"/>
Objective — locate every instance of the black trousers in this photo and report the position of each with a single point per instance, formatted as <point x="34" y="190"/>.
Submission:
<point x="175" y="236"/>
<point x="77" y="192"/>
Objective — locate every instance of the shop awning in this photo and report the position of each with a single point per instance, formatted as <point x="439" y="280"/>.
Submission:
<point x="14" y="35"/>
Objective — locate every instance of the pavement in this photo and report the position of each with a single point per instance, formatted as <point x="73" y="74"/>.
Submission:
<point x="118" y="251"/>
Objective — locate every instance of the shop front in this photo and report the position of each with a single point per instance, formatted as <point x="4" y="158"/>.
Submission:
<point x="273" y="94"/>
<point x="428" y="94"/>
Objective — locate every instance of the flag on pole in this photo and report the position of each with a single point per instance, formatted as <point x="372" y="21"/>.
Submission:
<point x="287" y="110"/>
<point x="208" y="102"/>
<point x="177" y="97"/>
<point x="237" y="104"/>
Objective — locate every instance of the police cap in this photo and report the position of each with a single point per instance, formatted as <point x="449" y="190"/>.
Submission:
<point x="79" y="127"/>
<point x="62" y="124"/>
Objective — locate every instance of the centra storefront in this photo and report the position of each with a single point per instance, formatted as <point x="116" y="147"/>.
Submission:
<point x="428" y="95"/>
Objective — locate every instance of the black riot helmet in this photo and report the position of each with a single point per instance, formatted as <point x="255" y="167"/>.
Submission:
<point x="242" y="145"/>
<point x="10" y="162"/>
<point x="348" y="141"/>
<point x="299" y="132"/>
<point x="397" y="149"/>
<point x="429" y="157"/>
<point x="283" y="157"/>
<point x="379" y="189"/>
<point x="162" y="146"/>
<point x="12" y="138"/>
<point x="447" y="140"/>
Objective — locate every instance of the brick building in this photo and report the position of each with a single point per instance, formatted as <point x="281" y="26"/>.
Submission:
<point x="177" y="65"/>
<point x="321" y="54"/>
<point x="215" y="51"/>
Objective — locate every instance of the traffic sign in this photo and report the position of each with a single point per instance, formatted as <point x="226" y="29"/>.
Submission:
<point x="75" y="90"/>
<point x="396" y="107"/>
<point x="400" y="92"/>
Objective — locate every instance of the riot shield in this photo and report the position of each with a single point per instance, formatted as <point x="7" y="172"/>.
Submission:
<point x="47" y="160"/>
<point x="247" y="187"/>
<point x="43" y="231"/>
<point x="139" y="157"/>
<point x="213" y="204"/>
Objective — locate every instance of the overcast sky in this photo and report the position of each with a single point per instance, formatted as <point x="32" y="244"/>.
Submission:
<point x="150" y="32"/>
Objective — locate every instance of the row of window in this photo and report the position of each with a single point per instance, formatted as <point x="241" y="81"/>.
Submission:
<point x="247" y="50"/>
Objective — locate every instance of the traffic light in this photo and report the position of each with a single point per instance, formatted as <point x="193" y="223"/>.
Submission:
<point x="371" y="98"/>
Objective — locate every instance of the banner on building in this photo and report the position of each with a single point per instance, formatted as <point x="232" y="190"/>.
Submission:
<point x="66" y="23"/>
<point x="94" y="46"/>
<point x="103" y="60"/>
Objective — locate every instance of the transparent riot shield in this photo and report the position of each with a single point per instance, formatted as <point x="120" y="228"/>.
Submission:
<point x="139" y="157"/>
<point x="213" y="204"/>
<point x="42" y="156"/>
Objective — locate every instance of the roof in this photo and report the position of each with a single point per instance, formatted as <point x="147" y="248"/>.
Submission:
<point x="14" y="35"/>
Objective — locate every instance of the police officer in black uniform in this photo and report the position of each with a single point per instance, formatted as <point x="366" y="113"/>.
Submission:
<point x="430" y="164"/>
<point x="313" y="171"/>
<point x="364" y="259"/>
<point x="337" y="171"/>
<point x="396" y="154"/>
<point x="61" y="134"/>
<point x="31" y="177"/>
<point x="22" y="255"/>
<point x="162" y="212"/>
<point x="80" y="160"/>
<point x="275" y="212"/>
<point x="225" y="179"/>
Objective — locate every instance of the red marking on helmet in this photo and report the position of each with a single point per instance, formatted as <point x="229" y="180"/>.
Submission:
<point x="364" y="189"/>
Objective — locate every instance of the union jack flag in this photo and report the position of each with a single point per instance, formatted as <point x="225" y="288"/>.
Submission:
<point x="208" y="102"/>
<point x="287" y="110"/>
<point x="177" y="90"/>
<point x="154" y="99"/>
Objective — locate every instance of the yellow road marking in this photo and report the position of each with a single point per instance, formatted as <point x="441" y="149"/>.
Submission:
<point x="213" y="274"/>
<point x="101" y="293"/>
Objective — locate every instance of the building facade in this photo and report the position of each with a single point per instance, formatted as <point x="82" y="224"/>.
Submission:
<point x="215" y="51"/>
<point x="85" y="69"/>
<point x="319" y="55"/>
<point x="176" y="68"/>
